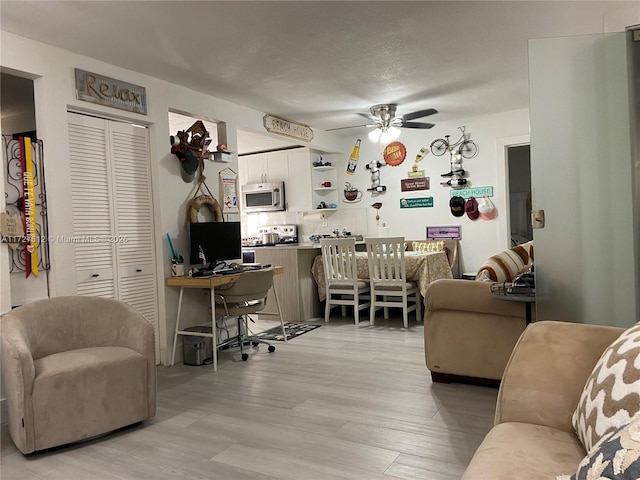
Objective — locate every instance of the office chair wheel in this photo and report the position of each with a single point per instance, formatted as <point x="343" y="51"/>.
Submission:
<point x="255" y="344"/>
<point x="271" y="348"/>
<point x="245" y="357"/>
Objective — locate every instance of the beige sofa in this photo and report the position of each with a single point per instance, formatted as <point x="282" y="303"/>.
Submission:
<point x="468" y="333"/>
<point x="533" y="437"/>
<point x="74" y="368"/>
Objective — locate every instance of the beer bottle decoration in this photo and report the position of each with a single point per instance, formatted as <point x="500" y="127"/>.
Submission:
<point x="353" y="159"/>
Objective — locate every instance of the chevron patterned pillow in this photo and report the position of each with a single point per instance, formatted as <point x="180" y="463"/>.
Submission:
<point x="611" y="395"/>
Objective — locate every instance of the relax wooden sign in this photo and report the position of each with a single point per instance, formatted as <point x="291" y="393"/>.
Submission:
<point x="95" y="88"/>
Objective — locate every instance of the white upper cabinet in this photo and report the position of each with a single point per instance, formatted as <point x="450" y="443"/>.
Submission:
<point x="306" y="186"/>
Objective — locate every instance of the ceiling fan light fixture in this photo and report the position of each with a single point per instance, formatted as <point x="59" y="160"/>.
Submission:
<point x="375" y="134"/>
<point x="389" y="134"/>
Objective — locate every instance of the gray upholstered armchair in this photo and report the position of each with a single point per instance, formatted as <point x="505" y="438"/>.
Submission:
<point x="74" y="368"/>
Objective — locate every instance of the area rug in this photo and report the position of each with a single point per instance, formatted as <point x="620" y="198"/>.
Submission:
<point x="293" y="330"/>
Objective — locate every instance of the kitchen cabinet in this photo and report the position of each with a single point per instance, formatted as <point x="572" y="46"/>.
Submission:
<point x="263" y="167"/>
<point x="297" y="290"/>
<point x="305" y="185"/>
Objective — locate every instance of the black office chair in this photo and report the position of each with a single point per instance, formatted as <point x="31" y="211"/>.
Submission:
<point x="248" y="295"/>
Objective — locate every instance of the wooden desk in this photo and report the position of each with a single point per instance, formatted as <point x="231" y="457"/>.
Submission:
<point x="210" y="283"/>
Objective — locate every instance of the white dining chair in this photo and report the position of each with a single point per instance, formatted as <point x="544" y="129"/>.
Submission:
<point x="341" y="277"/>
<point x="388" y="279"/>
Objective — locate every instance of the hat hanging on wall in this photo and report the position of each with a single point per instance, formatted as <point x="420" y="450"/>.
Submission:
<point x="457" y="206"/>
<point x="486" y="209"/>
<point x="471" y="208"/>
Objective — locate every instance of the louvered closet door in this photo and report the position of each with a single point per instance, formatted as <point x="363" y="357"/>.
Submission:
<point x="134" y="219"/>
<point x="91" y="203"/>
<point x="111" y="196"/>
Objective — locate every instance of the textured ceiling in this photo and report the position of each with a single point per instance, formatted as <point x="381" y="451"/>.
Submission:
<point x="320" y="63"/>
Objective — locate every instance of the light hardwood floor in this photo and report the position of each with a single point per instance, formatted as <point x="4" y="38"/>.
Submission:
<point x="340" y="402"/>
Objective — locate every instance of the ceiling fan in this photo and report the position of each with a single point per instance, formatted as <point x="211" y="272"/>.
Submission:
<point x="387" y="124"/>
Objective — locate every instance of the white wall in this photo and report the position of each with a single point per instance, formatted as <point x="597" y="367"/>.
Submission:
<point x="52" y="71"/>
<point x="480" y="238"/>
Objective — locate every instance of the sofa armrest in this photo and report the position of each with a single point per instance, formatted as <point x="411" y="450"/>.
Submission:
<point x="469" y="296"/>
<point x="18" y="375"/>
<point x="547" y="372"/>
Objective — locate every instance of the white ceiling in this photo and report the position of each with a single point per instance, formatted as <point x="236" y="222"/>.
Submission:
<point x="320" y="62"/>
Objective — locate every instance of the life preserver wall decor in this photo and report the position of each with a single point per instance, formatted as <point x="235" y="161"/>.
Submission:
<point x="208" y="201"/>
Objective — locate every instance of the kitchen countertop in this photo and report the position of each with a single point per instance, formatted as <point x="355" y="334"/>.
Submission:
<point x="302" y="245"/>
<point x="299" y="246"/>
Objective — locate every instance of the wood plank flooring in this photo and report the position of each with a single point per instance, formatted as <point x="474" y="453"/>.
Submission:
<point x="340" y="402"/>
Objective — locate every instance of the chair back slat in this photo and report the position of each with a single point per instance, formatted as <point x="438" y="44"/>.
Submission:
<point x="386" y="259"/>
<point x="339" y="259"/>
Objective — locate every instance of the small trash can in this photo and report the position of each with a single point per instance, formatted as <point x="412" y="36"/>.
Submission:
<point x="197" y="350"/>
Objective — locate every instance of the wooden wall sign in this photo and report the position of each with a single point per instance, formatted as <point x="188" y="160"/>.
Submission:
<point x="419" y="202"/>
<point x="444" y="232"/>
<point x="411" y="184"/>
<point x="95" y="88"/>
<point x="287" y="128"/>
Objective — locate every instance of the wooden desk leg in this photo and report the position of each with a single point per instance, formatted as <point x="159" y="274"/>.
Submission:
<point x="214" y="331"/>
<point x="275" y="293"/>
<point x="175" y="335"/>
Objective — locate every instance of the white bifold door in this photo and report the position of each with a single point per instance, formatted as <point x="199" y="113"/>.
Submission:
<point x="583" y="172"/>
<point x="112" y="213"/>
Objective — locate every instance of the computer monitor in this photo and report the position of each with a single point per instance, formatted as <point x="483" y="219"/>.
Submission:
<point x="220" y="241"/>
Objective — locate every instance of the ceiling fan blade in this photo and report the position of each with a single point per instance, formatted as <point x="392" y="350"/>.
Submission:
<point x="419" y="114"/>
<point x="417" y="125"/>
<point x="352" y="126"/>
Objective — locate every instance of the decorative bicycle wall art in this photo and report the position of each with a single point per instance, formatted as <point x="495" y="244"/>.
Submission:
<point x="464" y="147"/>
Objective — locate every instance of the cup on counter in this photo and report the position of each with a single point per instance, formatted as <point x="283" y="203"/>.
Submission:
<point x="177" y="269"/>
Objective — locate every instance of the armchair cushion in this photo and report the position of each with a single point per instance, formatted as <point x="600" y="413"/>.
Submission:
<point x="612" y="392"/>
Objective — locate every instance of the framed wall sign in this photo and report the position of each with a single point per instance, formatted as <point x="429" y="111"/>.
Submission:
<point x="477" y="192"/>
<point x="418" y="202"/>
<point x="287" y="128"/>
<point x="94" y="88"/>
<point x="412" y="184"/>
<point x="444" y="232"/>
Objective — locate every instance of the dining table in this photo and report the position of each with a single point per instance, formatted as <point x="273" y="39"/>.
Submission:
<point x="420" y="267"/>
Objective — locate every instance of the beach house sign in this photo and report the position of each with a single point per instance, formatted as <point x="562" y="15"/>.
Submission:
<point x="285" y="127"/>
<point x="110" y="92"/>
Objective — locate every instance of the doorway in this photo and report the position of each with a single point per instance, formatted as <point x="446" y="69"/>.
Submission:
<point x="519" y="182"/>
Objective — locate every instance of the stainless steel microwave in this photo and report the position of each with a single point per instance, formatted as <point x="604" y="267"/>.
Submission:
<point x="263" y="197"/>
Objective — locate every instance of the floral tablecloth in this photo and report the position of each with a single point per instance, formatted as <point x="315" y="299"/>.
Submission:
<point x="420" y="267"/>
